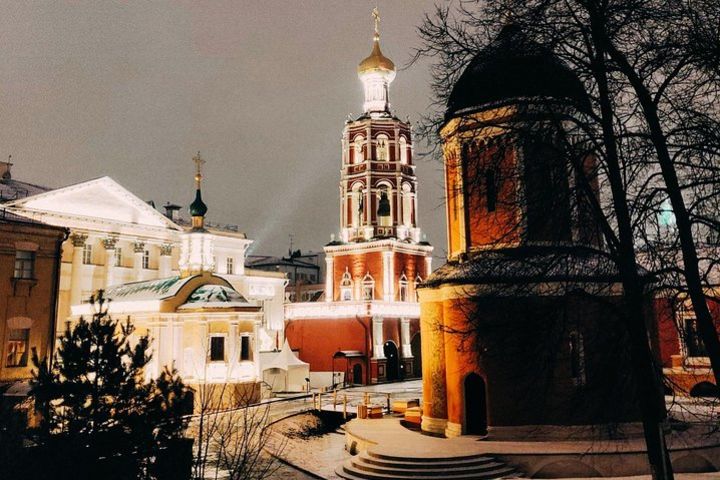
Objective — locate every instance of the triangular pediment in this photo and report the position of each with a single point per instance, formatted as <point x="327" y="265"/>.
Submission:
<point x="101" y="199"/>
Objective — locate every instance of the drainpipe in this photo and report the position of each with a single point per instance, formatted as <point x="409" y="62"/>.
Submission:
<point x="56" y="291"/>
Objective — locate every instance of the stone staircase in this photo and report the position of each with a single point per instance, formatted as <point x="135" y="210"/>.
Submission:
<point x="369" y="465"/>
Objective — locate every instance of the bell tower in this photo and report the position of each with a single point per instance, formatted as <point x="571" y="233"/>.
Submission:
<point x="370" y="310"/>
<point x="378" y="186"/>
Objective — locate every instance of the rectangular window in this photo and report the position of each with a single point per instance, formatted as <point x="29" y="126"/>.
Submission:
<point x="118" y="257"/>
<point x="229" y="265"/>
<point x="17" y="351"/>
<point x="345" y="294"/>
<point x="693" y="342"/>
<point x="217" y="349"/>
<point x="245" y="353"/>
<point x="146" y="260"/>
<point x="87" y="254"/>
<point x="24" y="264"/>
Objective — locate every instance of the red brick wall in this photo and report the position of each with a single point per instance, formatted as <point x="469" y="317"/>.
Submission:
<point x="318" y="339"/>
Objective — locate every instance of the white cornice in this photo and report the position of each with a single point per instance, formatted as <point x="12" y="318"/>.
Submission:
<point x="379" y="246"/>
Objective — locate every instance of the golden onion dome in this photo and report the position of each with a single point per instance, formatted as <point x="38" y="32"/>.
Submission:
<point x="376" y="61"/>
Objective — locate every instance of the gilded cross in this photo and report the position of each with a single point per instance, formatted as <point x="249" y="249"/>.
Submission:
<point x="376" y="16"/>
<point x="198" y="163"/>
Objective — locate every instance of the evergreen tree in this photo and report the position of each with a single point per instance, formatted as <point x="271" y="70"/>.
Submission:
<point x="99" y="415"/>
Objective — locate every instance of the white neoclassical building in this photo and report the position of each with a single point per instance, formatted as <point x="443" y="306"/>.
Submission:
<point x="118" y="240"/>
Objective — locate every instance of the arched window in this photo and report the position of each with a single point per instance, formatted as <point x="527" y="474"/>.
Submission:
<point x="382" y="148"/>
<point x="358" y="156"/>
<point x="407" y="203"/>
<point x="416" y="286"/>
<point x="577" y="358"/>
<point x="346" y="286"/>
<point x="403" y="150"/>
<point x="368" y="287"/>
<point x="403" y="288"/>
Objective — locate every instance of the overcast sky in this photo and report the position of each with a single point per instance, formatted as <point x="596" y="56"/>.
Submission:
<point x="262" y="88"/>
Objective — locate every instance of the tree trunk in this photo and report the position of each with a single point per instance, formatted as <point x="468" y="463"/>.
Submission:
<point x="691" y="269"/>
<point x="650" y="392"/>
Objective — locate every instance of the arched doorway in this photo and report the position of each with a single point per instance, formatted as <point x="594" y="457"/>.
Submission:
<point x="415" y="348"/>
<point x="475" y="405"/>
<point x="357" y="378"/>
<point x="392" y="365"/>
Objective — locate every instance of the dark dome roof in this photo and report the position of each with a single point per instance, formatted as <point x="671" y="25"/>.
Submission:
<point x="198" y="207"/>
<point x="513" y="67"/>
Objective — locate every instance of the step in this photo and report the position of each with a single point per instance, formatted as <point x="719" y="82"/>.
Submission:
<point x="425" y="472"/>
<point x="450" y="458"/>
<point x="403" y="462"/>
<point x="348" y="471"/>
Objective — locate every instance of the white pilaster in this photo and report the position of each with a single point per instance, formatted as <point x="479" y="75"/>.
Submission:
<point x="233" y="354"/>
<point x="388" y="274"/>
<point x="329" y="279"/>
<point x="405" y="337"/>
<point x="377" y="340"/>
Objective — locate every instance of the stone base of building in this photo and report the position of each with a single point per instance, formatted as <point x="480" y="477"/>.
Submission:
<point x="433" y="426"/>
<point x="696" y="450"/>
<point x="209" y="397"/>
<point x="453" y="430"/>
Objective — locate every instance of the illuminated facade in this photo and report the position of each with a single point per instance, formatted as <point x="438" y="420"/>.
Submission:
<point x="365" y="330"/>
<point x="198" y="321"/>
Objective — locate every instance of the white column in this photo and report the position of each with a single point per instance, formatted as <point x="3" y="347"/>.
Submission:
<point x="138" y="251"/>
<point x="233" y="354"/>
<point x="78" y="242"/>
<point x="388" y="274"/>
<point x="377" y="340"/>
<point x="329" y="279"/>
<point x="165" y="261"/>
<point x="110" y="245"/>
<point x="405" y="337"/>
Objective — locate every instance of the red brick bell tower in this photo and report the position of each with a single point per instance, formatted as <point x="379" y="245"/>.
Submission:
<point x="366" y="330"/>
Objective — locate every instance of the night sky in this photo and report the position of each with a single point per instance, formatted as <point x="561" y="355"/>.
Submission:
<point x="262" y="88"/>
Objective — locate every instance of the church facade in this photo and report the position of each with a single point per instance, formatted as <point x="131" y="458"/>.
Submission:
<point x="520" y="335"/>
<point x="366" y="329"/>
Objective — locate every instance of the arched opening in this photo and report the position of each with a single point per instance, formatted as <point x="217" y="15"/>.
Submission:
<point x="475" y="405"/>
<point x="705" y="389"/>
<point x="356" y="205"/>
<point x="416" y="349"/>
<point x="382" y="148"/>
<point x="403" y="150"/>
<point x="358" y="156"/>
<point x="392" y="366"/>
<point x="357" y="378"/>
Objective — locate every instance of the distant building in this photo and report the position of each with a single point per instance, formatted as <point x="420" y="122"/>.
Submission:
<point x="29" y="276"/>
<point x="364" y="328"/>
<point x="304" y="271"/>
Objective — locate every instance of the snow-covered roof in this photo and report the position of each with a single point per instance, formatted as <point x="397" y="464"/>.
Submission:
<point x="215" y="296"/>
<point x="285" y="359"/>
<point x="157" y="289"/>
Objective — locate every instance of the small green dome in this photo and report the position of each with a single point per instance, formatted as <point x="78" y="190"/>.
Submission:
<point x="198" y="207"/>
